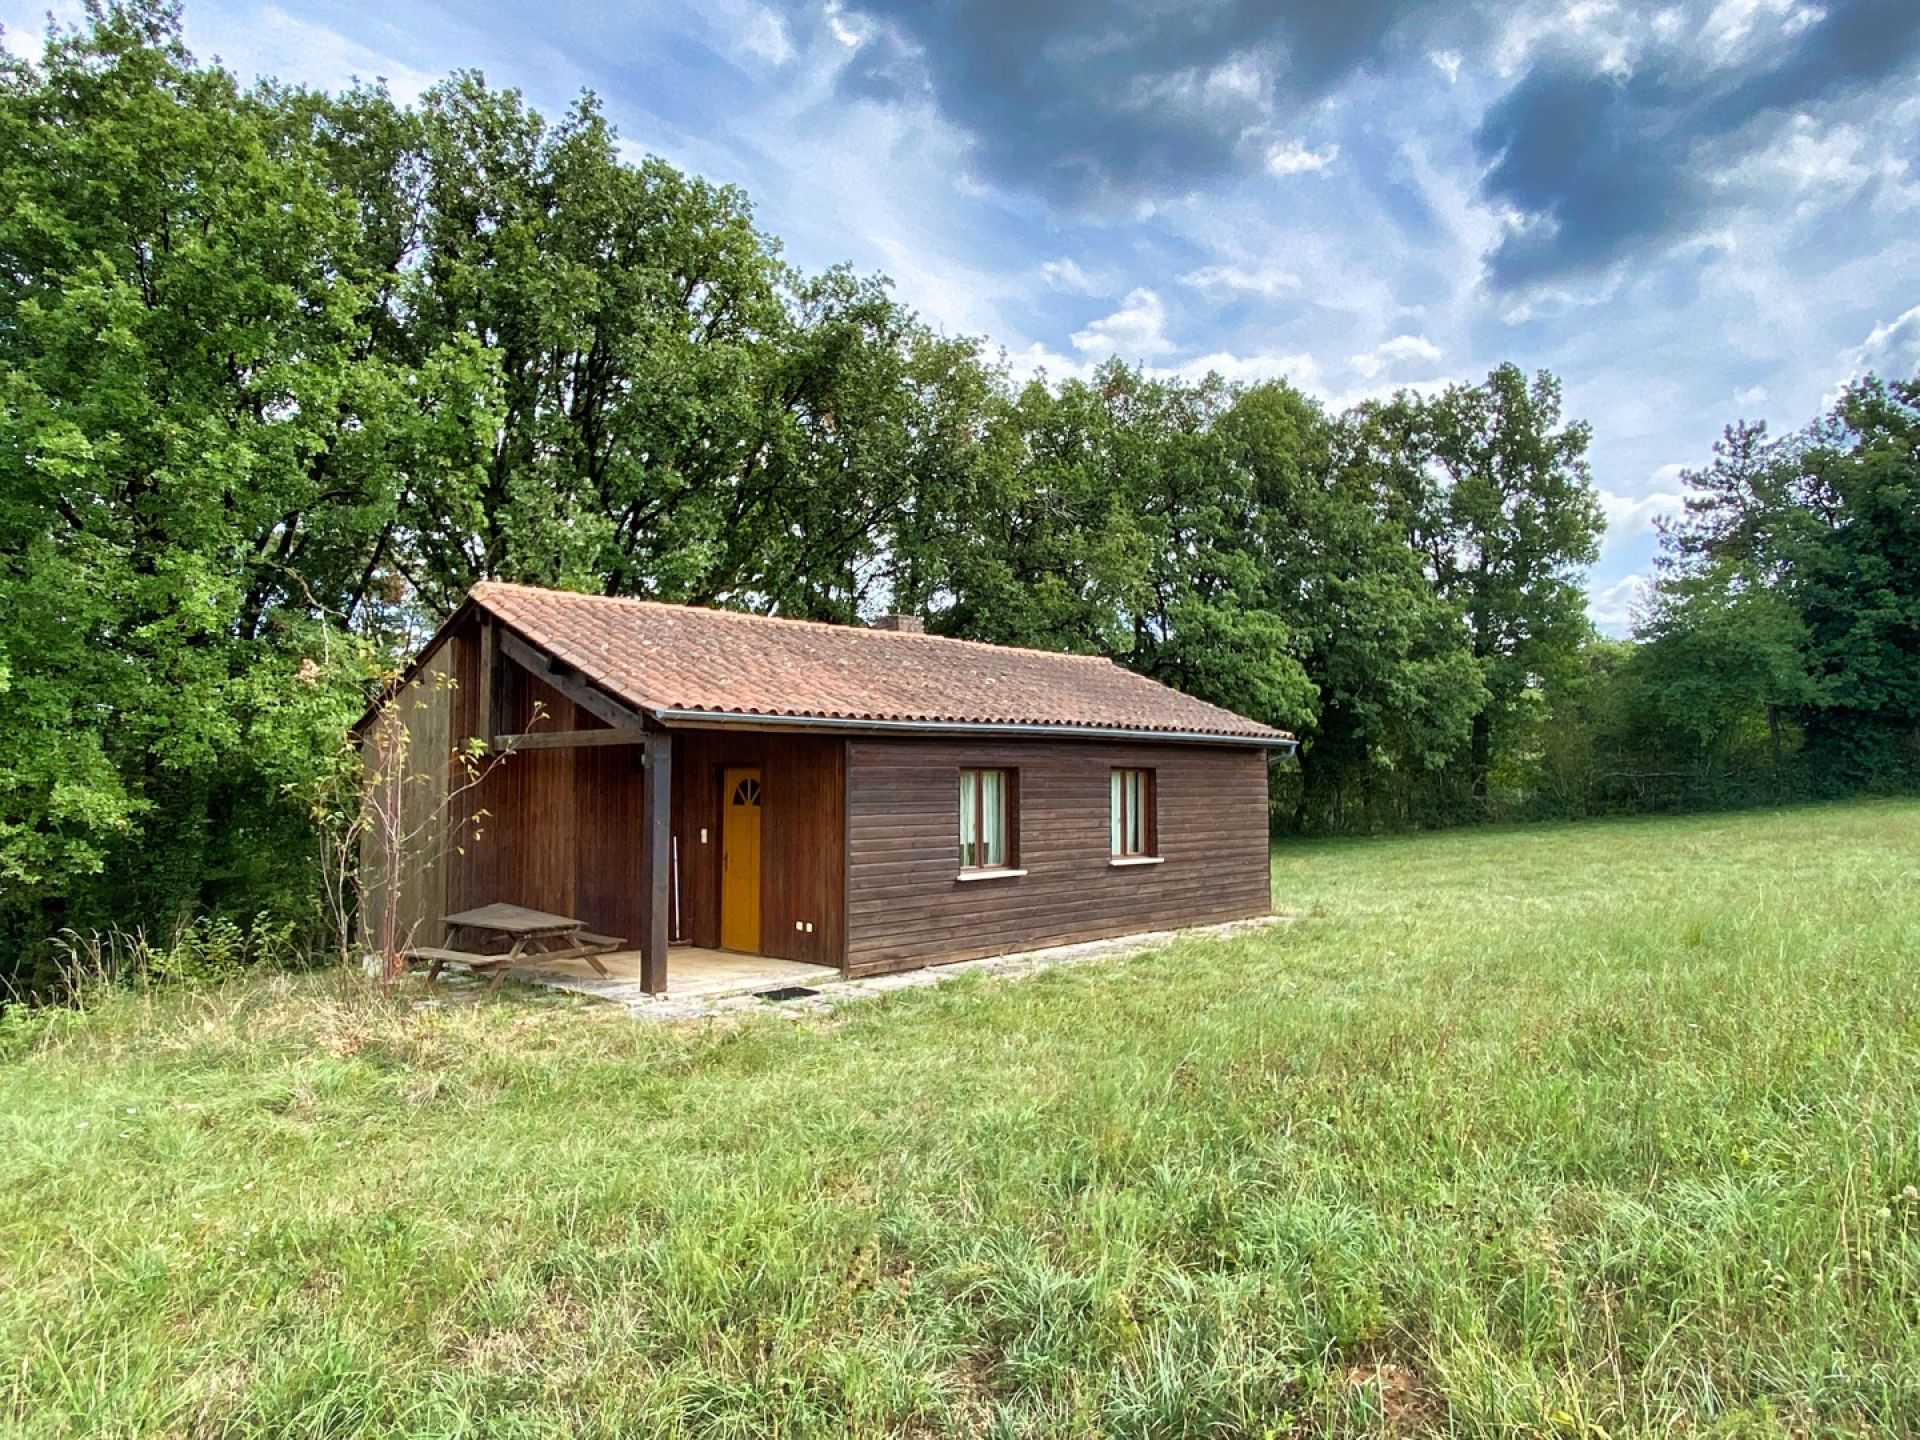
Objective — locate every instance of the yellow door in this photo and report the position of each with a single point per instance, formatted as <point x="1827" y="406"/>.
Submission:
<point x="740" y="860"/>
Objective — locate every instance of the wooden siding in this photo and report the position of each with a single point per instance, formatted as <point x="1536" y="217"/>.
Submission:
<point x="906" y="908"/>
<point x="802" y="839"/>
<point x="859" y="838"/>
<point x="564" y="829"/>
<point x="406" y="751"/>
<point x="558" y="830"/>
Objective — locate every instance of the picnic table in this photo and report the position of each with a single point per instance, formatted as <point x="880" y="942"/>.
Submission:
<point x="532" y="936"/>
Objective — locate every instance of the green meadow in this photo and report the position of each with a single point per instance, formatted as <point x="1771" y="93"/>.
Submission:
<point x="1598" y="1130"/>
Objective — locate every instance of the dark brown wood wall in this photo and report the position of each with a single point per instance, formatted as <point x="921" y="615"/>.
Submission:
<point x="563" y="829"/>
<point x="802" y="838"/>
<point x="859" y="839"/>
<point x="906" y="908"/>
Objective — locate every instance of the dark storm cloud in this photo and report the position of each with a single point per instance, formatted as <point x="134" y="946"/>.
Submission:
<point x="1600" y="165"/>
<point x="1091" y="103"/>
<point x="1096" y="104"/>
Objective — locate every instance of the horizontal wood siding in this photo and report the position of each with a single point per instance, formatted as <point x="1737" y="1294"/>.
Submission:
<point x="906" y="908"/>
<point x="802" y="838"/>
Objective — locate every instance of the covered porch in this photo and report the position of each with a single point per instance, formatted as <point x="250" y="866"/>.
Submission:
<point x="709" y="854"/>
<point x="716" y="852"/>
<point x="693" y="973"/>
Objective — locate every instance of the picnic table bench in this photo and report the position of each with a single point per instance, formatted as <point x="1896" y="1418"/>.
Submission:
<point x="534" y="937"/>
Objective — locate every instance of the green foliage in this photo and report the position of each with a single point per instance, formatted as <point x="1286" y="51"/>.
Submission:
<point x="1496" y="500"/>
<point x="1125" y="526"/>
<point x="1789" y="607"/>
<point x="185" y="478"/>
<point x="1635" y="1158"/>
<point x="282" y="373"/>
<point x="1396" y="683"/>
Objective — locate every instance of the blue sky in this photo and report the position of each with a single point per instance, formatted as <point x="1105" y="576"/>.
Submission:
<point x="1691" y="211"/>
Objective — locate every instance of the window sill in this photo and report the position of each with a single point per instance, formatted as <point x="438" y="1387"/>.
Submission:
<point x="1127" y="862"/>
<point x="1002" y="873"/>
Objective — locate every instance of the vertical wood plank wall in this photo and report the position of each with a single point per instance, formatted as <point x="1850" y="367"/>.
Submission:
<point x="906" y="908"/>
<point x="562" y="830"/>
<point x="802" y="838"/>
<point x="406" y="751"/>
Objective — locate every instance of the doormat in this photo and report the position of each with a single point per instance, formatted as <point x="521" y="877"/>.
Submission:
<point x="786" y="992"/>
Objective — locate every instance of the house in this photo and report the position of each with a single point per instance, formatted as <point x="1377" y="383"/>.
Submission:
<point x="869" y="799"/>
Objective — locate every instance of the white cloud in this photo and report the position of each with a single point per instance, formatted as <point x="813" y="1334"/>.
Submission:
<point x="1631" y="516"/>
<point x="26" y="23"/>
<point x="1265" y="281"/>
<point x="762" y="33"/>
<point x="1066" y="274"/>
<point x="1614" y="607"/>
<point x="274" y="43"/>
<point x="267" y="42"/>
<point x="1892" y="351"/>
<point x="849" y="30"/>
<point x="1605" y="34"/>
<point x="1136" y="331"/>
<point x="1036" y="359"/>
<point x="1750" y="395"/>
<point x="1733" y="30"/>
<point x="1238" y="79"/>
<point x="1447" y="62"/>
<point x="1302" y="371"/>
<point x="1293" y="157"/>
<point x="1396" y="353"/>
<point x="1806" y="156"/>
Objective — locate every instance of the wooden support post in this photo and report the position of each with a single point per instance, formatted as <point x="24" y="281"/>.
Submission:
<point x="493" y="710"/>
<point x="659" y="858"/>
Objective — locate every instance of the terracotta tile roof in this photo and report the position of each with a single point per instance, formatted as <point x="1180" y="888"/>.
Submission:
<point x="658" y="657"/>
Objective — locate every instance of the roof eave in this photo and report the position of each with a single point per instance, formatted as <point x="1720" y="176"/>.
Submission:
<point x="684" y="719"/>
<point x="414" y="666"/>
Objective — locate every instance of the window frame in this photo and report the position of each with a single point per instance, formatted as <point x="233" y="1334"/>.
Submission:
<point x="1118" y="815"/>
<point x="1009" y="864"/>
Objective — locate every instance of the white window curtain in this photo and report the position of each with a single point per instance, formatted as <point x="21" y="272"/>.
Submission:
<point x="1128" y="804"/>
<point x="993" y="816"/>
<point x="983" y="819"/>
<point x="969" y="818"/>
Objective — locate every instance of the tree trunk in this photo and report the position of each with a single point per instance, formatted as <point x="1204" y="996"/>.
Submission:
<point x="1480" y="755"/>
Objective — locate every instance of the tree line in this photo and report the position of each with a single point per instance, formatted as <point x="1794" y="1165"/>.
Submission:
<point x="285" y="372"/>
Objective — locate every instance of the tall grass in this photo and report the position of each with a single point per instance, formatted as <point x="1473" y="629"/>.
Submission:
<point x="1592" y="1130"/>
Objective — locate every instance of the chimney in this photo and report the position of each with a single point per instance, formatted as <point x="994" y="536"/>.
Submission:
<point x="905" y="624"/>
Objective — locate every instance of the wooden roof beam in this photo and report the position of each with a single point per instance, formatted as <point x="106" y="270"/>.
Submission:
<point x="569" y="682"/>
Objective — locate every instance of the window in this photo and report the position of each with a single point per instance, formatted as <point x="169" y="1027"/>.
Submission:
<point x="1132" y="814"/>
<point x="986" y="819"/>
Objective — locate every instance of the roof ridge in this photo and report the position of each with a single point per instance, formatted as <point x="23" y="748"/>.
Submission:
<point x="832" y="625"/>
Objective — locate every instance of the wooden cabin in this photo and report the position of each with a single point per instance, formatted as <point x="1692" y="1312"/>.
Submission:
<point x="870" y="799"/>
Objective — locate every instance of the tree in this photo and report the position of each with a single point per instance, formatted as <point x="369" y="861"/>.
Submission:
<point x="1123" y="529"/>
<point x="1791" y="583"/>
<point x="1495" y="495"/>
<point x="197" y="459"/>
<point x="1396" y="683"/>
<point x="630" y="313"/>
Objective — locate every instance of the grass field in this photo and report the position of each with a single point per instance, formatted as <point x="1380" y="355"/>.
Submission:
<point x="1598" y="1130"/>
